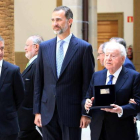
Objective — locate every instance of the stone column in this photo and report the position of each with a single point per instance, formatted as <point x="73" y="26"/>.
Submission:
<point x="76" y="7"/>
<point x="7" y="28"/>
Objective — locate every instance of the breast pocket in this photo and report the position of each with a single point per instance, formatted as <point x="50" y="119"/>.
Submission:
<point x="28" y="84"/>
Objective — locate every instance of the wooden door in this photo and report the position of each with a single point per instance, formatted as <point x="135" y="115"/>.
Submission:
<point x="105" y="30"/>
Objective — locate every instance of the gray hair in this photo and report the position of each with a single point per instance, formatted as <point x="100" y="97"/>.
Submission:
<point x="119" y="40"/>
<point x="36" y="39"/>
<point x="115" y="45"/>
<point x="103" y="46"/>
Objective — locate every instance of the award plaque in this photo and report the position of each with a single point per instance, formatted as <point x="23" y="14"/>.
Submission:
<point x="104" y="96"/>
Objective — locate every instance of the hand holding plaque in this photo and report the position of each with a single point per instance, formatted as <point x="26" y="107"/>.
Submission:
<point x="104" y="96"/>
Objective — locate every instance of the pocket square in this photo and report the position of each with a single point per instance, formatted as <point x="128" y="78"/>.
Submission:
<point x="27" y="79"/>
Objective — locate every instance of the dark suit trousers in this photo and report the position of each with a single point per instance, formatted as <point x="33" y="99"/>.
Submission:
<point x="55" y="130"/>
<point x="103" y="135"/>
<point x="10" y="137"/>
<point x="29" y="135"/>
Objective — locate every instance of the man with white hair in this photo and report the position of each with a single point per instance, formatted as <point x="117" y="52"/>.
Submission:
<point x="25" y="113"/>
<point x="116" y="123"/>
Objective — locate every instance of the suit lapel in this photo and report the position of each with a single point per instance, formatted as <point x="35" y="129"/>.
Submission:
<point x="52" y="55"/>
<point x="3" y="73"/>
<point x="72" y="48"/>
<point x="103" y="76"/>
<point x="121" y="79"/>
<point x="28" y="68"/>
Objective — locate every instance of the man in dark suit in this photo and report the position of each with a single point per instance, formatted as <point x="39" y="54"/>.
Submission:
<point x="25" y="113"/>
<point x="116" y="123"/>
<point x="127" y="63"/>
<point x="11" y="96"/>
<point x="59" y="90"/>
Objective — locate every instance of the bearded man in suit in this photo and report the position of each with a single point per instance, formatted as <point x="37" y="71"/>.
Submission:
<point x="25" y="113"/>
<point x="64" y="68"/>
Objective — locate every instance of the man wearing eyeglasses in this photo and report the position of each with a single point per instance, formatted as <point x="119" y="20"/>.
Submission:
<point x="101" y="54"/>
<point x="26" y="117"/>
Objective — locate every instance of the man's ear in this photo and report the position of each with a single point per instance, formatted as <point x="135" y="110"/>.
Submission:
<point x="36" y="47"/>
<point x="70" y="21"/>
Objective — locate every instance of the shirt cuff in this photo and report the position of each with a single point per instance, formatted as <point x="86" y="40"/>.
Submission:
<point x="120" y="114"/>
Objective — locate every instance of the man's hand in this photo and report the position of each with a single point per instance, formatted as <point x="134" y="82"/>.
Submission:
<point x="132" y="101"/>
<point x="37" y="120"/>
<point x="88" y="103"/>
<point x="84" y="121"/>
<point x="115" y="109"/>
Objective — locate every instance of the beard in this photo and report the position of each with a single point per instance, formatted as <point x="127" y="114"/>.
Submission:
<point x="29" y="55"/>
<point x="62" y="30"/>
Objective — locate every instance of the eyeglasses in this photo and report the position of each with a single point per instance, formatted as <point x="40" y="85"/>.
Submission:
<point x="99" y="54"/>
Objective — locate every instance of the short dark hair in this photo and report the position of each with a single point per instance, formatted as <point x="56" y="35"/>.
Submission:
<point x="119" y="40"/>
<point x="68" y="12"/>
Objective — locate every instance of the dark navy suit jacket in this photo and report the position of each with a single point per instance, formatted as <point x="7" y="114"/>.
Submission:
<point x="127" y="86"/>
<point x="128" y="64"/>
<point x="11" y="96"/>
<point x="25" y="112"/>
<point x="70" y="88"/>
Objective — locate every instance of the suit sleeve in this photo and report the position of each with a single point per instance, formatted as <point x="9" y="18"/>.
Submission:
<point x="132" y="109"/>
<point x="38" y="85"/>
<point x="18" y="88"/>
<point x="89" y="94"/>
<point x="88" y="69"/>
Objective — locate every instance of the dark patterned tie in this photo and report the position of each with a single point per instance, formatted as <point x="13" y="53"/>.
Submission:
<point x="59" y="57"/>
<point x="110" y="79"/>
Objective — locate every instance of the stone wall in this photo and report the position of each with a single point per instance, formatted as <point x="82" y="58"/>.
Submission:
<point x="7" y="28"/>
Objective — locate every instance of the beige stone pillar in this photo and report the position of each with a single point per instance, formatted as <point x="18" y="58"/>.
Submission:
<point x="76" y="7"/>
<point x="7" y="28"/>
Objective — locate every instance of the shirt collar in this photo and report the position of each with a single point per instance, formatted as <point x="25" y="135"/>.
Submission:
<point x="32" y="59"/>
<point x="67" y="39"/>
<point x="1" y="61"/>
<point x="116" y="74"/>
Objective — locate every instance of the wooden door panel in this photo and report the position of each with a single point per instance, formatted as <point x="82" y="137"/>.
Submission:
<point x="106" y="30"/>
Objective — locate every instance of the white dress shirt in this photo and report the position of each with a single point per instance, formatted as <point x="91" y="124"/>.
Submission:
<point x="65" y="44"/>
<point x="32" y="59"/>
<point x="1" y="62"/>
<point x="116" y="75"/>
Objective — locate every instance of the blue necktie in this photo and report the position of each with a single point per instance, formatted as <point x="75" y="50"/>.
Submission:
<point x="59" y="58"/>
<point x="110" y="79"/>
